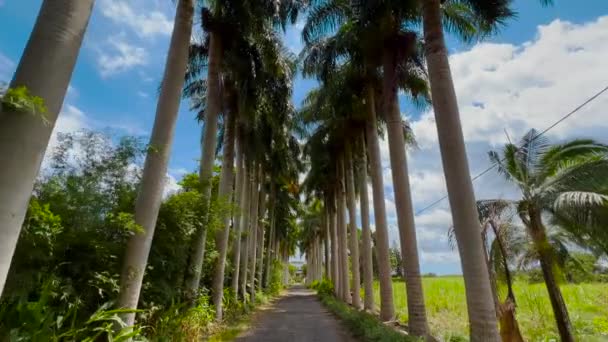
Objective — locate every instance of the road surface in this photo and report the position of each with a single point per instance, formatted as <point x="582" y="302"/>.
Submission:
<point x="296" y="317"/>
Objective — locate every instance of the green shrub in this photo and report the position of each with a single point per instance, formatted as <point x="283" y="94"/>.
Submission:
<point x="275" y="285"/>
<point x="324" y="287"/>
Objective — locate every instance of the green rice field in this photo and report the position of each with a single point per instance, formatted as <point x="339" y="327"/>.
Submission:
<point x="446" y="308"/>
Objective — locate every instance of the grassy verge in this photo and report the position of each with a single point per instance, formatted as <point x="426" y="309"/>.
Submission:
<point x="232" y="328"/>
<point x="359" y="323"/>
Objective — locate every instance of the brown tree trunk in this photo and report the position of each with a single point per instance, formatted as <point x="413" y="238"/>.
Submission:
<point x="538" y="233"/>
<point x="482" y="314"/>
<point x="387" y="306"/>
<point x="154" y="174"/>
<point x="256" y="232"/>
<point x="417" y="323"/>
<point x="45" y="69"/>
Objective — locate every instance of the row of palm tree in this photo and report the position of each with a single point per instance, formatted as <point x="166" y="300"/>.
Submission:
<point x="342" y="43"/>
<point x="343" y="39"/>
<point x="239" y="74"/>
<point x="239" y="80"/>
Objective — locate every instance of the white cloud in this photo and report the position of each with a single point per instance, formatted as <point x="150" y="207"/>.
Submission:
<point x="516" y="87"/>
<point x="7" y="67"/>
<point x="150" y="23"/>
<point x="506" y="87"/>
<point x="171" y="186"/>
<point x="70" y="119"/>
<point x="122" y="57"/>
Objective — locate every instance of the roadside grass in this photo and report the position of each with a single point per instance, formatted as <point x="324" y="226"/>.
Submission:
<point x="362" y="325"/>
<point x="446" y="308"/>
<point x="231" y="329"/>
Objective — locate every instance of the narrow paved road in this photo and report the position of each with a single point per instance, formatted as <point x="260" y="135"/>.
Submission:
<point x="296" y="317"/>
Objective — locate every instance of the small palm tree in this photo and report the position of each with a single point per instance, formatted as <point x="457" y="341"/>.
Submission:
<point x="552" y="179"/>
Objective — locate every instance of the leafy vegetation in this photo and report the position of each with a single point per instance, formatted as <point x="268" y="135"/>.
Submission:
<point x="64" y="276"/>
<point x="21" y="100"/>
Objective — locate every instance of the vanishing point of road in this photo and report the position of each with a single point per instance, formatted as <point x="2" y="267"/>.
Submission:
<point x="296" y="317"/>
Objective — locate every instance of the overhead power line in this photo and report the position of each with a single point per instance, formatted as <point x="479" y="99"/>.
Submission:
<point x="490" y="168"/>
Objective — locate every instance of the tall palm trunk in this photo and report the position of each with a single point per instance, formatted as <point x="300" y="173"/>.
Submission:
<point x="246" y="238"/>
<point x="271" y="234"/>
<point x="354" y="232"/>
<point x="538" y="233"/>
<point x="417" y="323"/>
<point x="207" y="160"/>
<point x="326" y="245"/>
<point x="387" y="305"/>
<point x="257" y="239"/>
<point x="253" y="225"/>
<point x="482" y="315"/>
<point x="240" y="214"/>
<point x="224" y="197"/>
<point x="366" y="252"/>
<point x="335" y="259"/>
<point x="45" y="69"/>
<point x="342" y="234"/>
<point x="155" y="168"/>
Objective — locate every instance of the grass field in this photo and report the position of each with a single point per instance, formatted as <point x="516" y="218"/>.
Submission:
<point x="446" y="308"/>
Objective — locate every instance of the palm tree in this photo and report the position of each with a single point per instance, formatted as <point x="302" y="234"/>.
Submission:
<point x="360" y="40"/>
<point x="387" y="306"/>
<point x="366" y="253"/>
<point x="155" y="169"/>
<point x="353" y="231"/>
<point x="240" y="215"/>
<point x="495" y="217"/>
<point x="45" y="69"/>
<point x="225" y="196"/>
<point x="552" y="177"/>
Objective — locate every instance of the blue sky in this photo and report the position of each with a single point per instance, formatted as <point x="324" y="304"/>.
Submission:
<point x="524" y="76"/>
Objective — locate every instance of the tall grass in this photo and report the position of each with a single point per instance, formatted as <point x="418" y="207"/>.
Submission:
<point x="446" y="308"/>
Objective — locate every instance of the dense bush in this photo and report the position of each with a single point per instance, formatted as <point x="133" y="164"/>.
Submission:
<point x="324" y="287"/>
<point x="69" y="256"/>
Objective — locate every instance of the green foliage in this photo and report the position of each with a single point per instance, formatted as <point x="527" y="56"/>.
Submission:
<point x="54" y="316"/>
<point x="324" y="287"/>
<point x="361" y="324"/>
<point x="275" y="284"/>
<point x="69" y="256"/>
<point x="21" y="100"/>
<point x="395" y="260"/>
<point x="180" y="323"/>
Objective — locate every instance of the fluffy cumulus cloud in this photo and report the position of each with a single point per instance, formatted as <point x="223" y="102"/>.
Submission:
<point x="133" y="34"/>
<point x="506" y="88"/>
<point x="120" y="56"/>
<point x="148" y="24"/>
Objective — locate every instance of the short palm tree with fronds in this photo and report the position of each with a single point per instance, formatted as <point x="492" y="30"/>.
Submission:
<point x="552" y="179"/>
